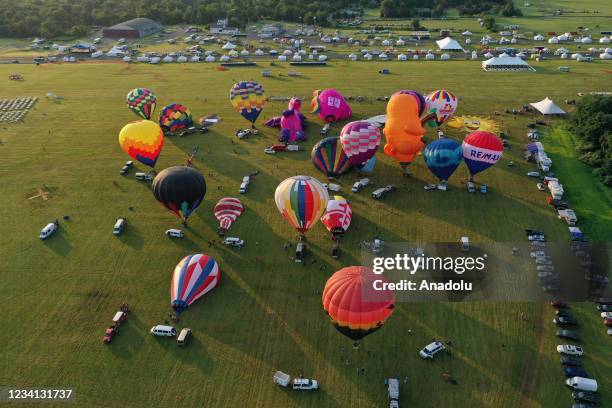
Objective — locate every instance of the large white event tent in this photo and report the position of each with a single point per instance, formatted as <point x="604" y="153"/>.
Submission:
<point x="506" y="63"/>
<point x="448" y="44"/>
<point x="547" y="107"/>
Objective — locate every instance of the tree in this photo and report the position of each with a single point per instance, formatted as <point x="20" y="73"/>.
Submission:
<point x="79" y="30"/>
<point x="416" y="24"/>
<point x="488" y="22"/>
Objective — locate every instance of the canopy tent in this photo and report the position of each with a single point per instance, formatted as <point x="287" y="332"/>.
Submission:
<point x="228" y="46"/>
<point x="547" y="107"/>
<point x="448" y="44"/>
<point x="506" y="63"/>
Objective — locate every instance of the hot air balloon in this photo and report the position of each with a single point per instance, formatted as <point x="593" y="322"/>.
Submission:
<point x="352" y="313"/>
<point x="248" y="99"/>
<point x="142" y="102"/>
<point x="142" y="140"/>
<point x="421" y="102"/>
<point x="481" y="150"/>
<point x="193" y="277"/>
<point x="442" y="104"/>
<point x="338" y="215"/>
<point x="330" y="105"/>
<point x="226" y="211"/>
<point x="180" y="189"/>
<point x="174" y="117"/>
<point x="442" y="157"/>
<point x="301" y="200"/>
<point x="403" y="129"/>
<point x="329" y="158"/>
<point x="360" y="140"/>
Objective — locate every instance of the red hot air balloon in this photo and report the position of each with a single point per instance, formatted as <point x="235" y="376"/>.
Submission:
<point x="226" y="211"/>
<point x="481" y="150"/>
<point x="338" y="215"/>
<point x="346" y="299"/>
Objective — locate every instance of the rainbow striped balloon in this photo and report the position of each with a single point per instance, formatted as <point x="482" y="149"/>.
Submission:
<point x="329" y="157"/>
<point x="301" y="200"/>
<point x="248" y="99"/>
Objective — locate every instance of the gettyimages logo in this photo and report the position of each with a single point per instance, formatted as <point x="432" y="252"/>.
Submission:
<point x="412" y="264"/>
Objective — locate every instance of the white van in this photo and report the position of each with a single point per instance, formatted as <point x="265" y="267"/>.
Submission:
<point x="184" y="335"/>
<point x="176" y="233"/>
<point x="430" y="350"/>
<point x="48" y="230"/>
<point x="305" y="384"/>
<point x="281" y="378"/>
<point x="161" y="330"/>
<point x="582" y="384"/>
<point x="120" y="225"/>
<point x="465" y="244"/>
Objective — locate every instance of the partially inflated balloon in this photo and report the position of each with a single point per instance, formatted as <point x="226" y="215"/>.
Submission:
<point x="442" y="104"/>
<point x="142" y="102"/>
<point x="175" y="116"/>
<point x="329" y="157"/>
<point x="193" y="277"/>
<point x="142" y="140"/>
<point x="248" y="99"/>
<point x="353" y="307"/>
<point x="180" y="189"/>
<point x="442" y="157"/>
<point x="481" y="150"/>
<point x="338" y="215"/>
<point x="360" y="140"/>
<point x="227" y="210"/>
<point x="301" y="200"/>
<point x="330" y="105"/>
<point x="403" y="129"/>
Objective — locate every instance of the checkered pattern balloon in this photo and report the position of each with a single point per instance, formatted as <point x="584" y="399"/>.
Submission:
<point x="142" y="102"/>
<point x="360" y="140"/>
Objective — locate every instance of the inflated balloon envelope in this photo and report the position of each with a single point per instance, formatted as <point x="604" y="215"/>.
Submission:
<point x="403" y="129"/>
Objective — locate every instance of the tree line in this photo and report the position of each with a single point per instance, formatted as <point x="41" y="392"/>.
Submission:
<point x="591" y="123"/>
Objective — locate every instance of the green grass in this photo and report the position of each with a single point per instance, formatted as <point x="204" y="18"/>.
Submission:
<point x="59" y="295"/>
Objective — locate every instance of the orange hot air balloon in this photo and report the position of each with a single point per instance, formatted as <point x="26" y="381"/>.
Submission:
<point x="403" y="129"/>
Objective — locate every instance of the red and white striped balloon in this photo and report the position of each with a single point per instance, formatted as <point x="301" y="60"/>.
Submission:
<point x="226" y="211"/>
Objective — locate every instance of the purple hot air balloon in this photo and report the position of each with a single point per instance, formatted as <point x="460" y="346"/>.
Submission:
<point x="420" y="99"/>
<point x="360" y="140"/>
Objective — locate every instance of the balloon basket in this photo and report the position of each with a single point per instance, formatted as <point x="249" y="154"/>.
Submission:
<point x="356" y="345"/>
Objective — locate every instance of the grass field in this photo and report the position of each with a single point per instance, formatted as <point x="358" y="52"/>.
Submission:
<point x="59" y="295"/>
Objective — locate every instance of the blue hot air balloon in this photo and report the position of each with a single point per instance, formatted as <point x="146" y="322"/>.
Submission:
<point x="442" y="157"/>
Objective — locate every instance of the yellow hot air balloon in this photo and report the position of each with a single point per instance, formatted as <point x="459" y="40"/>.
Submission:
<point x="142" y="140"/>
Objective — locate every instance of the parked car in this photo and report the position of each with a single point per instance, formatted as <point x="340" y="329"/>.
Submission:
<point x="533" y="174"/>
<point x="587" y="396"/>
<point x="119" y="226"/>
<point x="543" y="261"/>
<point x="183" y="337"/>
<point x="604" y="307"/>
<point x="109" y="334"/>
<point x="379" y="193"/>
<point x="233" y="241"/>
<point x="536" y="237"/>
<point x="48" y="230"/>
<point x="545" y="268"/>
<point x="176" y="233"/>
<point x="570" y="361"/>
<point x="360" y="184"/>
<point x="119" y="318"/>
<point x="246" y="180"/>
<point x="537" y="254"/>
<point x="569" y="334"/>
<point x="164" y="331"/>
<point x="124" y="170"/>
<point x="607" y="322"/>
<point x="565" y="321"/>
<point x="143" y="176"/>
<point x="484" y="189"/>
<point x="541" y="186"/>
<point x="431" y="349"/>
<point x="429" y="187"/>
<point x="582" y="384"/>
<point x="325" y="129"/>
<point x="570" y="350"/>
<point x="305" y="384"/>
<point x="558" y="305"/>
<point x="471" y="188"/>
<point x="574" y="372"/>
<point x="299" y="252"/>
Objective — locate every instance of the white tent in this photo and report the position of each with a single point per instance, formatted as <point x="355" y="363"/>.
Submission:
<point x="127" y="59"/>
<point x="553" y="40"/>
<point x="228" y="46"/>
<point x="474" y="55"/>
<point x="468" y="41"/>
<point x="400" y="43"/>
<point x="386" y="42"/>
<point x="604" y="40"/>
<point x="466" y="33"/>
<point x="415" y="57"/>
<point x="233" y="53"/>
<point x="521" y="55"/>
<point x="224" y="58"/>
<point x="353" y="57"/>
<point x="506" y="63"/>
<point x="297" y="58"/>
<point x="586" y="40"/>
<point x="322" y="58"/>
<point x="402" y="57"/>
<point x="182" y="58"/>
<point x="383" y="56"/>
<point x="488" y="55"/>
<point x="605" y="56"/>
<point x="287" y="52"/>
<point x="538" y="37"/>
<point x="244" y="53"/>
<point x="564" y="55"/>
<point x="547" y="107"/>
<point x="195" y="58"/>
<point x="167" y="58"/>
<point x="259" y="53"/>
<point x="448" y="44"/>
<point x="209" y="58"/>
<point x="282" y="58"/>
<point x="445" y="56"/>
<point x="429" y="56"/>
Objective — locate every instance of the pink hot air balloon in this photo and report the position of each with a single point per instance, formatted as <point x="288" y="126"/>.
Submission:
<point x="226" y="211"/>
<point x="481" y="150"/>
<point x="194" y="276"/>
<point x="360" y="140"/>
<point x="330" y="105"/>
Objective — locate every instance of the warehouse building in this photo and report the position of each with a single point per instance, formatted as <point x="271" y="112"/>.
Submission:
<point x="136" y="28"/>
